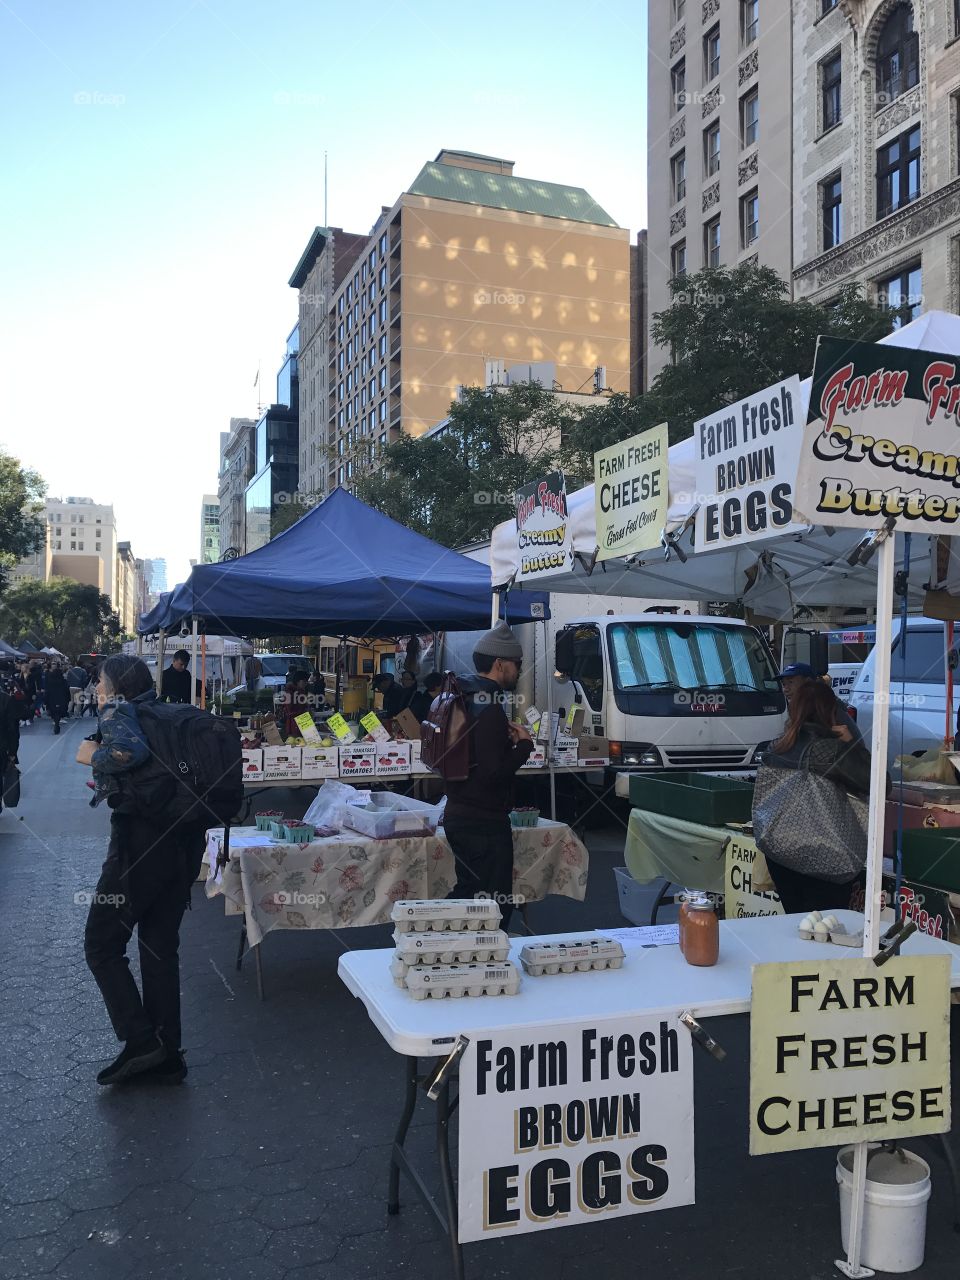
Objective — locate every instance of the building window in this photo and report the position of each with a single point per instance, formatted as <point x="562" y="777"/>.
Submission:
<point x="749" y="219"/>
<point x="831" y="203"/>
<point x="678" y="260"/>
<point x="73" y="546"/>
<point x="749" y="118"/>
<point x="383" y="245"/>
<point x="898" y="55"/>
<point x="711" y="149"/>
<point x="956" y="17"/>
<point x="902" y="290"/>
<point x="955" y="108"/>
<point x="898" y="172"/>
<point x="711" y="54"/>
<point x="383" y="411"/>
<point x="830" y="92"/>
<point x="711" y="243"/>
<point x="749" y="20"/>
<point x="826" y="6"/>
<point x="98" y="544"/>
<point x="679" y="8"/>
<point x="678" y="176"/>
<point x="678" y="84"/>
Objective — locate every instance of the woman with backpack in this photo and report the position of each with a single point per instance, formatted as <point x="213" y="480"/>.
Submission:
<point x="145" y="883"/>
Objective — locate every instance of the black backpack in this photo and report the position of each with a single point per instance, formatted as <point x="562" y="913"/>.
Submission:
<point x="195" y="773"/>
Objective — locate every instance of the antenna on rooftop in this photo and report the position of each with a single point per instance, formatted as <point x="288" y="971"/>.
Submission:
<point x="325" y="222"/>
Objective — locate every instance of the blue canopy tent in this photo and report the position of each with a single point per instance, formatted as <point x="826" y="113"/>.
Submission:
<point x="343" y="569"/>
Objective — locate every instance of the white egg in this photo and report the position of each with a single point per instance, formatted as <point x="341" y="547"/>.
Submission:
<point x="830" y="921"/>
<point x="815" y="915"/>
<point x="806" y="924"/>
<point x="820" y="931"/>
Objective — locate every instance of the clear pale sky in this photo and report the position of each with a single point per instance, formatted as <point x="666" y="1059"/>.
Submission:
<point x="163" y="169"/>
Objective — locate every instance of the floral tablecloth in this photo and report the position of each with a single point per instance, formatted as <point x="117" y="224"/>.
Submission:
<point x="347" y="879"/>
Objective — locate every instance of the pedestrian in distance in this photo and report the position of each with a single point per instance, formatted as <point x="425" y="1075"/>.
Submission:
<point x="76" y="682"/>
<point x="175" y="682"/>
<point x="56" y="695"/>
<point x="393" y="696"/>
<point x="421" y="703"/>
<point x="252" y="671"/>
<point x="152" y="861"/>
<point x="477" y="817"/>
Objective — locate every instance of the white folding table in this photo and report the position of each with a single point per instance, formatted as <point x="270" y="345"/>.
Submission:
<point x="652" y="980"/>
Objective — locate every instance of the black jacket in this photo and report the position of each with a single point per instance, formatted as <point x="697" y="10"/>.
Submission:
<point x="56" y="693"/>
<point x="816" y="748"/>
<point x="9" y="727"/>
<point x="175" y="685"/>
<point x="488" y="791"/>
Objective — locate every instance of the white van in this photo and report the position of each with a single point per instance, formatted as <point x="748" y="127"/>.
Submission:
<point x="918" y="698"/>
<point x="672" y="692"/>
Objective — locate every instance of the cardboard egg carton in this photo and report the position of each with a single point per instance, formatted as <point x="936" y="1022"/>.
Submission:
<point x="819" y="928"/>
<point x="570" y="955"/>
<point x="467" y="947"/>
<point x="437" y="981"/>
<point x="439" y="914"/>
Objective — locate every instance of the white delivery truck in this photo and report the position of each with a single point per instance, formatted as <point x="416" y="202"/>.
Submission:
<point x="918" y="697"/>
<point x="672" y="691"/>
<point x="669" y="690"/>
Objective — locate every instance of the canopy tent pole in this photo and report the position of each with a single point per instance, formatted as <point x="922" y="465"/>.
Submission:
<point x="139" y="645"/>
<point x="949" y="730"/>
<point x="161" y="645"/>
<point x="494" y="610"/>
<point x="550" y="765"/>
<point x="193" y="662"/>
<point x="203" y="671"/>
<point x="878" y="800"/>
<point x="341" y="652"/>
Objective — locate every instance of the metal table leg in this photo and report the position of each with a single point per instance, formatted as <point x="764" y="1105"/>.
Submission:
<point x="446" y="1217"/>
<point x="659" y="901"/>
<point x="259" y="965"/>
<point x="243" y="943"/>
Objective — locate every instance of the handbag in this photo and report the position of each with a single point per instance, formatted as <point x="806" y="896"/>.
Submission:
<point x="809" y="824"/>
<point x="11" y="786"/>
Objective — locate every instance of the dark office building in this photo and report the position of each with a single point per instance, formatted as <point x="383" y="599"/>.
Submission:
<point x="276" y="443"/>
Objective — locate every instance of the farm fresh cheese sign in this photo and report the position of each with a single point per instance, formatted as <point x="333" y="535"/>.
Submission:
<point x="746" y="463"/>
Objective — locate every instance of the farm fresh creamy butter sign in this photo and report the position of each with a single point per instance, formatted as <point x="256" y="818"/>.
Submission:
<point x="580" y="1122"/>
<point x="630" y="494"/>
<point x="881" y="439"/>
<point x="543" y="528"/>
<point x="746" y="462"/>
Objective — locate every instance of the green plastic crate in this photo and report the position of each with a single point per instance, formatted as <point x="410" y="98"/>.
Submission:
<point x="694" y="797"/>
<point x="932" y="858"/>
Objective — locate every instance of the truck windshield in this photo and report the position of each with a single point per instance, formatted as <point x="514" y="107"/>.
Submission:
<point x="689" y="655"/>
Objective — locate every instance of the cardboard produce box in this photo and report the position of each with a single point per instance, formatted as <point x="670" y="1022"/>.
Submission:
<point x="536" y="760"/>
<point x="566" y="757"/>
<point x="408" y="724"/>
<point x="253" y="764"/>
<point x="416" y="763"/>
<point x="392" y="758"/>
<point x="593" y="751"/>
<point x="280" y="763"/>
<point x="358" y="761"/>
<point x="319" y="762"/>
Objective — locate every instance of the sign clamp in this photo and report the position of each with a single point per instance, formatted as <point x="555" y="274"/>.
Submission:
<point x="701" y="1037"/>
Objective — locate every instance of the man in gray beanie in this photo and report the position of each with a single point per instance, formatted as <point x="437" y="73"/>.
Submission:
<point x="477" y="816"/>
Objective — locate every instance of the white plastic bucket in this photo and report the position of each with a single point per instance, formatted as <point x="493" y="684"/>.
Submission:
<point x="895" y="1214"/>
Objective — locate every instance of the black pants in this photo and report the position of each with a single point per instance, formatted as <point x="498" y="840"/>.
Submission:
<point x="145" y="882"/>
<point x="800" y="893"/>
<point x="483" y="853"/>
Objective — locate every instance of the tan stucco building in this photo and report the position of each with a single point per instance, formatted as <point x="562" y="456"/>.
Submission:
<point x="470" y="264"/>
<point x="719" y="141"/>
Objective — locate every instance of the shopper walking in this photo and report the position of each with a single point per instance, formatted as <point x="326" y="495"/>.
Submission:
<point x="9" y="735"/>
<point x="477" y="817"/>
<point x="56" y="695"/>
<point x="145" y="883"/>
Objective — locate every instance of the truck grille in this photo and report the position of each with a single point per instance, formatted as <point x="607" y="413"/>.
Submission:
<point x="709" y="759"/>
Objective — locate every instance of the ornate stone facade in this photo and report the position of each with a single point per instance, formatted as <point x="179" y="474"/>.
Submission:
<point x="678" y="221"/>
<point x="677" y="41"/>
<point x="678" y="131"/>
<point x="748" y="168"/>
<point x="748" y="68"/>
<point x="899" y="112"/>
<point x="710" y="7"/>
<point x="711" y="196"/>
<point x="711" y="102"/>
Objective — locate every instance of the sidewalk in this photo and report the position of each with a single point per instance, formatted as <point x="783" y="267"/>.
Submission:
<point x="271" y="1161"/>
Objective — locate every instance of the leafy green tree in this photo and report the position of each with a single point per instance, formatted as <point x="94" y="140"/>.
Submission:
<point x="456" y="486"/>
<point x="286" y="514"/>
<point x="21" y="513"/>
<point x="71" y="616"/>
<point x="733" y="331"/>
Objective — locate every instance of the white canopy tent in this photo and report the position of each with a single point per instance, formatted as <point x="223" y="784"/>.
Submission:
<point x="772" y="574"/>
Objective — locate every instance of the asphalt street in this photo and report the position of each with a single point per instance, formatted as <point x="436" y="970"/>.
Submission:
<point x="270" y="1162"/>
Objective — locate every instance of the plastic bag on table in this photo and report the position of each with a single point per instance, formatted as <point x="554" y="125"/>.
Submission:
<point x="932" y="766"/>
<point x="329" y="803"/>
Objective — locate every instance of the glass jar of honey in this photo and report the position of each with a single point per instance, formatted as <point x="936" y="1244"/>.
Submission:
<point x="699" y="931"/>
